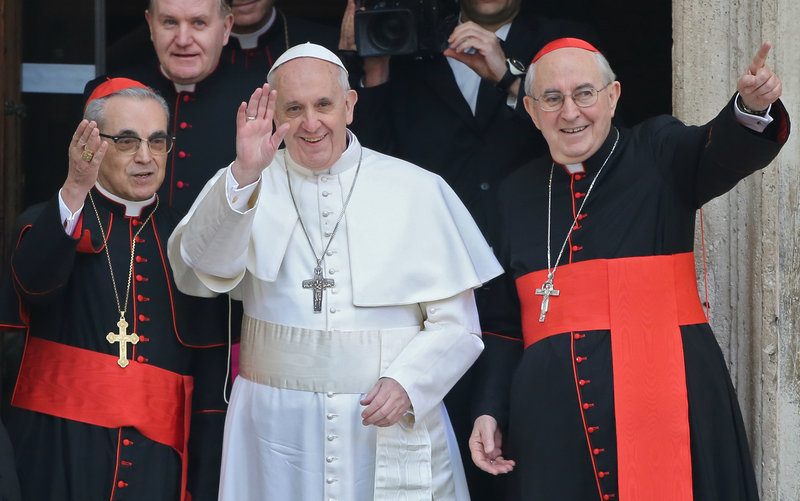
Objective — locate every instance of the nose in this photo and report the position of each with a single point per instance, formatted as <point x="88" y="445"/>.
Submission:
<point x="143" y="154"/>
<point x="570" y="110"/>
<point x="183" y="35"/>
<point x="310" y="120"/>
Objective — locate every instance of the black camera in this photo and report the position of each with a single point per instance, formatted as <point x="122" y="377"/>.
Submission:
<point x="402" y="27"/>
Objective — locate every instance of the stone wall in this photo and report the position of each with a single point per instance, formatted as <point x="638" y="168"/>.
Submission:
<point x="752" y="234"/>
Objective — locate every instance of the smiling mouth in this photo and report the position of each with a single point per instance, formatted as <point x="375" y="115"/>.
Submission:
<point x="313" y="139"/>
<point x="574" y="130"/>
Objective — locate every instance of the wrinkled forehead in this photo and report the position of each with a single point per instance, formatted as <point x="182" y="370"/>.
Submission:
<point x="567" y="66"/>
<point x="306" y="73"/>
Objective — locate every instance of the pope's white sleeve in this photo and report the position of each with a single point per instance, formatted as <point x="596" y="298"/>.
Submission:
<point x="212" y="240"/>
<point x="436" y="358"/>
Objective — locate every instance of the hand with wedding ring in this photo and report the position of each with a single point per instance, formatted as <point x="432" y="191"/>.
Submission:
<point x="256" y="143"/>
<point x="86" y="152"/>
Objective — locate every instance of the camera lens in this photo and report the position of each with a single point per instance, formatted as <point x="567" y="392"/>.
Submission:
<point x="389" y="33"/>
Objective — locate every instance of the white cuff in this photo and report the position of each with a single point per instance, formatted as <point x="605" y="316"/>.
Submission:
<point x="68" y="220"/>
<point x="754" y="122"/>
<point x="239" y="198"/>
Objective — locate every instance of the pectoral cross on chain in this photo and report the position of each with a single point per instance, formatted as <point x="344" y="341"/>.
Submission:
<point x="547" y="290"/>
<point x="318" y="284"/>
<point x="123" y="339"/>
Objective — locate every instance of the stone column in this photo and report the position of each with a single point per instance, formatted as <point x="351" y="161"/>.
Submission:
<point x="751" y="234"/>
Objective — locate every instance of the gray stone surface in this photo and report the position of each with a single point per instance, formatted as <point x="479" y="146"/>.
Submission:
<point x="752" y="234"/>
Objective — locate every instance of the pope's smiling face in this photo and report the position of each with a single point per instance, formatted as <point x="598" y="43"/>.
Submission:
<point x="573" y="134"/>
<point x="310" y="97"/>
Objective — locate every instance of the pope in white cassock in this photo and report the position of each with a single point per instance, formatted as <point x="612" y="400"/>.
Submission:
<point x="356" y="271"/>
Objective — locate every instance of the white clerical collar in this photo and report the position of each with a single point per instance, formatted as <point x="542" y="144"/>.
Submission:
<point x="348" y="160"/>
<point x="574" y="168"/>
<point x="178" y="87"/>
<point x="132" y="208"/>
<point x="250" y="40"/>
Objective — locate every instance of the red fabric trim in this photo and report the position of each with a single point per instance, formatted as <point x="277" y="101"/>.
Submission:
<point x="642" y="301"/>
<point x="89" y="387"/>
<point x="501" y="336"/>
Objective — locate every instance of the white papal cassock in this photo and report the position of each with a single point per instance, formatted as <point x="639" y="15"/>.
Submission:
<point x="405" y="260"/>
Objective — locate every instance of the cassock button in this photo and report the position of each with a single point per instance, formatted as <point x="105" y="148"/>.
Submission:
<point x="330" y="416"/>
<point x="331" y="437"/>
<point x="331" y="394"/>
<point x="140" y="278"/>
<point x="140" y="259"/>
<point x="325" y="193"/>
<point x="135" y="222"/>
<point x="126" y="442"/>
<point x="181" y="185"/>
<point x="142" y="299"/>
<point x="576" y="248"/>
<point x="578" y="194"/>
<point x="330" y="459"/>
<point x="327" y="233"/>
<point x="578" y="177"/>
<point x="608" y="496"/>
<point x="186" y="98"/>
<point x="597" y="452"/>
<point x="331" y="271"/>
<point x="141" y="359"/>
<point x="584" y="382"/>
<point x="592" y="429"/>
<point x="139" y="240"/>
<point x="330" y="253"/>
<point x="333" y="310"/>
<point x="326" y="213"/>
<point x="121" y="484"/>
<point x="183" y="125"/>
<point x="323" y="179"/>
<point x="603" y="474"/>
<point x="182" y="154"/>
<point x="580" y="359"/>
<point x="330" y="480"/>
<point x="485" y="186"/>
<point x="143" y="318"/>
<point x="587" y="406"/>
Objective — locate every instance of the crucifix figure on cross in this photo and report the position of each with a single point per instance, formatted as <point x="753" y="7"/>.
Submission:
<point x="123" y="339"/>
<point x="547" y="290"/>
<point x="318" y="284"/>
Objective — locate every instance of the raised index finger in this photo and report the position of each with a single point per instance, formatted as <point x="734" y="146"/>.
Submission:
<point x="760" y="59"/>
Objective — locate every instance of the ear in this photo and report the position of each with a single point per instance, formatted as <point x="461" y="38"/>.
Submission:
<point x="228" y="22"/>
<point x="149" y="23"/>
<point x="532" y="109"/>
<point x="350" y="99"/>
<point x="614" y="92"/>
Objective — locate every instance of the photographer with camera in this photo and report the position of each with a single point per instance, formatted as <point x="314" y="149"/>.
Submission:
<point x="444" y="92"/>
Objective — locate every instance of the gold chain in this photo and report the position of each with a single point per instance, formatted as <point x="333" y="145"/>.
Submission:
<point x="108" y="254"/>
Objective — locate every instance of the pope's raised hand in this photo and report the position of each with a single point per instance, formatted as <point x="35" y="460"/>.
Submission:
<point x="759" y="87"/>
<point x="256" y="142"/>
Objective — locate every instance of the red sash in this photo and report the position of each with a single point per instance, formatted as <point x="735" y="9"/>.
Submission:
<point x="642" y="301"/>
<point x="86" y="386"/>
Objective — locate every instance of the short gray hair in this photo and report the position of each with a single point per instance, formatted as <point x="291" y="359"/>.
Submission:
<point x="95" y="109"/>
<point x="605" y="68"/>
<point x="224" y="7"/>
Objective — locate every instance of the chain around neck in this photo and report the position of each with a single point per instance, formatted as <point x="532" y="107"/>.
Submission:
<point x="338" y="220"/>
<point x="552" y="271"/>
<point x="121" y="309"/>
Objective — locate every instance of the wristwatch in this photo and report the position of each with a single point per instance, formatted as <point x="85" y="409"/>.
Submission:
<point x="514" y="69"/>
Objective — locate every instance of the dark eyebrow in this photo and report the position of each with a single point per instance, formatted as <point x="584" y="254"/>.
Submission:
<point x="127" y="132"/>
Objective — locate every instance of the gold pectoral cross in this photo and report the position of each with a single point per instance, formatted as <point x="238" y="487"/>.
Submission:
<point x="123" y="339"/>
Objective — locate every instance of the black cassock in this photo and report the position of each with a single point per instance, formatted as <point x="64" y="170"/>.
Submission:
<point x="557" y="395"/>
<point x="286" y="31"/>
<point x="66" y="297"/>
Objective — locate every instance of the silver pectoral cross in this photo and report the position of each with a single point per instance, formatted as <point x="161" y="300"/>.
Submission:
<point x="547" y="290"/>
<point x="123" y="339"/>
<point x="318" y="284"/>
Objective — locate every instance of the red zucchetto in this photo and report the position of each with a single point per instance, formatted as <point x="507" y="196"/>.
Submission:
<point x="563" y="43"/>
<point x="111" y="86"/>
